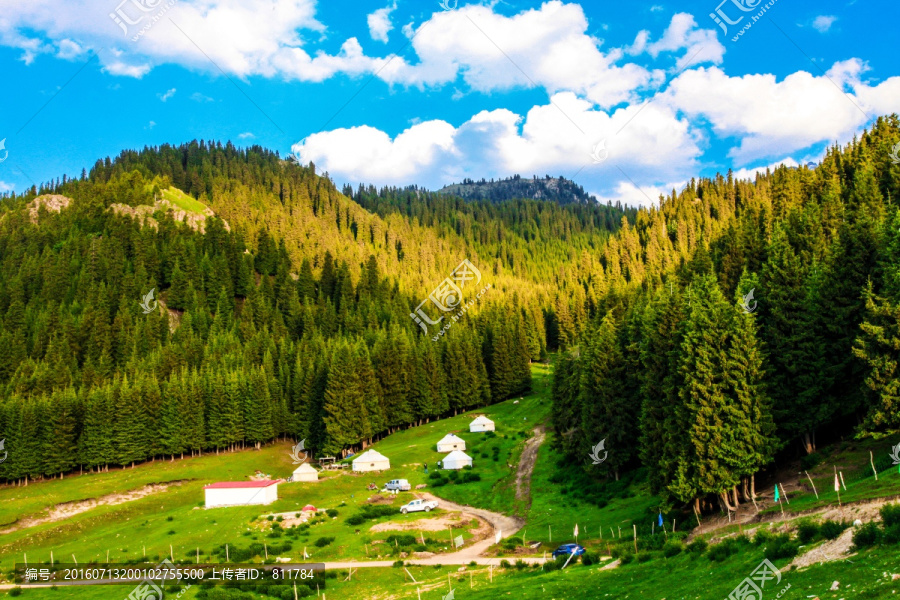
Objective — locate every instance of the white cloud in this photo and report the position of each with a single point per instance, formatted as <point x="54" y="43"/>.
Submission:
<point x="823" y="23"/>
<point x="629" y="194"/>
<point x="167" y="94"/>
<point x="198" y="97"/>
<point x="246" y="136"/>
<point x="750" y="174"/>
<point x="771" y="117"/>
<point x="547" y="47"/>
<point x="657" y="148"/>
<point x="380" y="23"/>
<point x="683" y="33"/>
<point x="150" y="125"/>
<point x="6" y="187"/>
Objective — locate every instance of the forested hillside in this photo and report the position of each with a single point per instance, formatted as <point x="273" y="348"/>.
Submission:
<point x="739" y="319"/>
<point x="293" y="319"/>
<point x="555" y="189"/>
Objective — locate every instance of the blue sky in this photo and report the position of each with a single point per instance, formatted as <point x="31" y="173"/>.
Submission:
<point x="630" y="99"/>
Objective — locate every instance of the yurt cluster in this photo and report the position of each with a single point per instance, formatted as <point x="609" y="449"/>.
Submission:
<point x="266" y="491"/>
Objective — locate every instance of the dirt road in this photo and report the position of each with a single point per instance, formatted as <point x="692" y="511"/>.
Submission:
<point x="526" y="467"/>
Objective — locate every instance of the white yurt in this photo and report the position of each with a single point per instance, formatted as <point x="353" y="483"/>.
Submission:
<point x="457" y="460"/>
<point x="370" y="460"/>
<point x="305" y="472"/>
<point x="451" y="442"/>
<point x="481" y="423"/>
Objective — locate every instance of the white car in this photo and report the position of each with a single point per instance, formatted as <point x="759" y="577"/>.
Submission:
<point x="418" y="505"/>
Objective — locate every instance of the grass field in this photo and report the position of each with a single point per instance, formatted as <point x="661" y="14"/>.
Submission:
<point x="172" y="521"/>
<point x="183" y="201"/>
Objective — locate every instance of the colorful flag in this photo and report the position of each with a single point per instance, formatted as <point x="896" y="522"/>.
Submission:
<point x="660" y="523"/>
<point x="777" y="497"/>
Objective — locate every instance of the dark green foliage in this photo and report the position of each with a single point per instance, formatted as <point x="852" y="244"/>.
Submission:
<point x="781" y="546"/>
<point x="807" y="532"/>
<point x="831" y="530"/>
<point x="698" y="546"/>
<point x="323" y="541"/>
<point x="867" y="536"/>
<point x="672" y="548"/>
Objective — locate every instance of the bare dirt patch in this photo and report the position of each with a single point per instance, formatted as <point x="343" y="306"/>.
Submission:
<point x="434" y="524"/>
<point x="379" y="499"/>
<point x="67" y="510"/>
<point x="526" y="467"/>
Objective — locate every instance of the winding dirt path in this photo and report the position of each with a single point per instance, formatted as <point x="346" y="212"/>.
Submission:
<point x="526" y="467"/>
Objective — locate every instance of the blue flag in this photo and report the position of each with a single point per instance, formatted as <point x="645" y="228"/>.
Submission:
<point x="660" y="524"/>
<point x="776" y="493"/>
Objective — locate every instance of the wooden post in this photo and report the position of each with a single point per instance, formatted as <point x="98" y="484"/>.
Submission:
<point x="266" y="550"/>
<point x="25" y="555"/>
<point x="635" y="537"/>
<point x="51" y="558"/>
<point x="814" y="485"/>
<point x="422" y="537"/>
<point x="786" y="499"/>
<point x="144" y="548"/>
<point x="198" y="558"/>
<point x="550" y="530"/>
<point x="697" y="514"/>
<point x="449" y="587"/>
<point x="620" y="532"/>
<point x="842" y="481"/>
<point x="171" y="553"/>
<point x="872" y="462"/>
<point x="75" y="559"/>
<point x="410" y="575"/>
<point x="612" y="533"/>
<point x="673" y="525"/>
<point x="226" y="554"/>
<point x="295" y="591"/>
<point x="418" y="593"/>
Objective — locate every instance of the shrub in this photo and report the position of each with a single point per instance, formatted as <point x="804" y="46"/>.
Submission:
<point x="723" y="549"/>
<point x="626" y="558"/>
<point x="398" y="563"/>
<point x="590" y="558"/>
<point x="16" y="591"/>
<point x="520" y="564"/>
<point x="672" y="548"/>
<point x="698" y="546"/>
<point x="867" y="535"/>
<point x="505" y="564"/>
<point x="781" y="546"/>
<point x="830" y="530"/>
<point x="890" y="515"/>
<point x="170" y="518"/>
<point x="810" y="461"/>
<point x="891" y="534"/>
<point x="644" y="557"/>
<point x="323" y="541"/>
<point x="331" y="513"/>
<point x="807" y="532"/>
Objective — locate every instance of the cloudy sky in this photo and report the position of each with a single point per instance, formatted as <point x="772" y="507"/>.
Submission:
<point x="629" y="99"/>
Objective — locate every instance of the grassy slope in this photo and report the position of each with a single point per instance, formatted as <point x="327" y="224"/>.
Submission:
<point x="183" y="201"/>
<point x="124" y="529"/>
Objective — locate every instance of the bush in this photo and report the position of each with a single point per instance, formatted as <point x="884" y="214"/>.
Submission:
<point x="725" y="549"/>
<point x="626" y="558"/>
<point x="331" y="513"/>
<point x="16" y="591"/>
<point x="672" y="548"/>
<point x="890" y="515"/>
<point x="398" y="563"/>
<point x="323" y="541"/>
<point x="590" y="558"/>
<point x="762" y="537"/>
<point x="698" y="546"/>
<point x="807" y="532"/>
<point x="781" y="546"/>
<point x="831" y="530"/>
<point x="867" y="535"/>
<point x="505" y="564"/>
<point x="520" y="564"/>
<point x="891" y="534"/>
<point x="810" y="461"/>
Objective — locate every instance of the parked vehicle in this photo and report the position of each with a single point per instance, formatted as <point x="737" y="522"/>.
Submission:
<point x="419" y="505"/>
<point x="567" y="549"/>
<point x="401" y="485"/>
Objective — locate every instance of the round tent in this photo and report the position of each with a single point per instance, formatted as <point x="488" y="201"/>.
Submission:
<point x="457" y="460"/>
<point x="305" y="472"/>
<point x="482" y="423"/>
<point x="370" y="460"/>
<point x="451" y="442"/>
